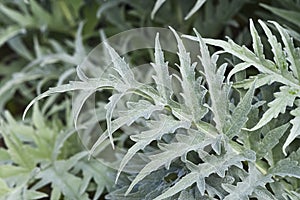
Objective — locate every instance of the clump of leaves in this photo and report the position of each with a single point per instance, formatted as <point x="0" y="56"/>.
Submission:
<point x="205" y="130"/>
<point x="45" y="38"/>
<point x="37" y="47"/>
<point x="283" y="69"/>
<point x="45" y="155"/>
<point x="39" y="67"/>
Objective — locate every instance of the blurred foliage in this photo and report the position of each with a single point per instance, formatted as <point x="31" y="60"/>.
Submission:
<point x="42" y="42"/>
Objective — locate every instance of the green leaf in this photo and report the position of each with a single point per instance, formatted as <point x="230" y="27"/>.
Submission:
<point x="192" y="142"/>
<point x="186" y="195"/>
<point x="16" y="150"/>
<point x="73" y="85"/>
<point x="284" y="98"/>
<point x="239" y="116"/>
<point x="59" y="143"/>
<point x="31" y="194"/>
<point x="106" y="6"/>
<point x="4" y="189"/>
<point x="135" y="111"/>
<point x="94" y="169"/>
<point x="245" y="188"/>
<point x="149" y="188"/>
<point x="22" y="19"/>
<point x="59" y="177"/>
<point x="237" y="68"/>
<point x="214" y="15"/>
<point x="295" y="156"/>
<point x="263" y="194"/>
<point x="291" y="16"/>
<point x="110" y="106"/>
<point x="212" y="164"/>
<point x="195" y="8"/>
<point x="4" y="155"/>
<point x="286" y="167"/>
<point x="214" y="78"/>
<point x="157" y="5"/>
<point x="291" y="195"/>
<point x="293" y="54"/>
<point x="157" y="129"/>
<point x="79" y="53"/>
<point x="121" y="67"/>
<point x="162" y="77"/>
<point x="295" y="130"/>
<point x="11" y="171"/>
<point x="257" y="44"/>
<point x="276" y="48"/>
<point x="9" y="32"/>
<point x="40" y="14"/>
<point x="38" y="118"/>
<point x="270" y="140"/>
<point x="19" y="47"/>
<point x="265" y="66"/>
<point x="193" y="93"/>
<point x="16" y="80"/>
<point x="184" y="183"/>
<point x="260" y="80"/>
<point x="19" y="193"/>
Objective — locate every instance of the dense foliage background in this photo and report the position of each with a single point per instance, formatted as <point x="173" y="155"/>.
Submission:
<point x="220" y="132"/>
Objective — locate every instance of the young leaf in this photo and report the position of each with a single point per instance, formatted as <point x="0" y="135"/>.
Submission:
<point x="193" y="93"/>
<point x="276" y="48"/>
<point x="121" y="67"/>
<point x="257" y="44"/>
<point x="278" y="69"/>
<point x="293" y="54"/>
<point x="214" y="78"/>
<point x="162" y="77"/>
